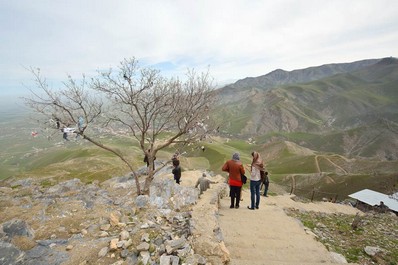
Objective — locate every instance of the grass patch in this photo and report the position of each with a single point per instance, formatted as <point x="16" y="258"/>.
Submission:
<point x="335" y="232"/>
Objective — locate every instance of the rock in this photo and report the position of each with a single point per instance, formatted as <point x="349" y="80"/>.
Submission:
<point x="141" y="201"/>
<point x="145" y="237"/>
<point x="114" y="218"/>
<point x="176" y="244"/>
<point x="103" y="234"/>
<point x="105" y="227"/>
<point x="124" y="253"/>
<point x="17" y="227"/>
<point x="338" y="258"/>
<point x="132" y="258"/>
<point x="124" y="235"/>
<point x="45" y="255"/>
<point x="9" y="254"/>
<point x="103" y="252"/>
<point x="121" y="225"/>
<point x="196" y="259"/>
<point x="120" y="244"/>
<point x="47" y="243"/>
<point x="113" y="244"/>
<point x="69" y="247"/>
<point x="145" y="256"/>
<point x="371" y="251"/>
<point x="165" y="260"/>
<point x="144" y="246"/>
<point x="22" y="182"/>
<point x="127" y="243"/>
<point x="175" y="260"/>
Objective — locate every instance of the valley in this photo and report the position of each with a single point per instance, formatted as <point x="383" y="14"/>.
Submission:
<point x="330" y="130"/>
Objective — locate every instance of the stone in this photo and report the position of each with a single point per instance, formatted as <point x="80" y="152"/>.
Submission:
<point x="175" y="260"/>
<point x="372" y="251"/>
<point x="124" y="235"/>
<point x="113" y="244"/>
<point x="176" y="243"/>
<point x="121" y="225"/>
<point x="145" y="256"/>
<point x="45" y="255"/>
<point x="69" y="247"/>
<point x="17" y="227"/>
<point x="165" y="260"/>
<point x="141" y="201"/>
<point x="144" y="246"/>
<point x="103" y="252"/>
<point x="124" y="253"/>
<point x="338" y="258"/>
<point x="127" y="243"/>
<point x="9" y="254"/>
<point x="114" y="219"/>
<point x="120" y="244"/>
<point x="145" y="237"/>
<point x="105" y="227"/>
<point x="103" y="234"/>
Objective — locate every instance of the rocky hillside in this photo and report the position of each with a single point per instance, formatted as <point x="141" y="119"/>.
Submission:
<point x="357" y="108"/>
<point x="103" y="223"/>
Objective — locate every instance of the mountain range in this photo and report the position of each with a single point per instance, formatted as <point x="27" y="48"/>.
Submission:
<point x="349" y="108"/>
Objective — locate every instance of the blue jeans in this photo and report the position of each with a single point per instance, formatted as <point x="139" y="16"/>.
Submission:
<point x="255" y="193"/>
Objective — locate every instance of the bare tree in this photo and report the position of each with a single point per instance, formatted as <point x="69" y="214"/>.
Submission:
<point x="156" y="111"/>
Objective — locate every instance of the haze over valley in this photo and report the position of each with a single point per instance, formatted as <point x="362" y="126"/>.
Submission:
<point x="330" y="127"/>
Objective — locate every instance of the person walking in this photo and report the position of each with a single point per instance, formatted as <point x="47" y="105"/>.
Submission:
<point x="65" y="134"/>
<point x="146" y="160"/>
<point x="176" y="171"/>
<point x="266" y="183"/>
<point x="235" y="169"/>
<point x="256" y="167"/>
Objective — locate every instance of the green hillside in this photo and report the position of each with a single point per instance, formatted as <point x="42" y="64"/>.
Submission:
<point x="335" y="135"/>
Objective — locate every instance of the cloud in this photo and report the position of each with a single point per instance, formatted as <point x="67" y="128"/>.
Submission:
<point x="235" y="38"/>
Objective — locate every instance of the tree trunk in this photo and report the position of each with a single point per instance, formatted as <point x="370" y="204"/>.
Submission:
<point x="137" y="183"/>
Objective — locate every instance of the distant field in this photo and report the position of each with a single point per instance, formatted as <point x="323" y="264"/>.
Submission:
<point x="39" y="157"/>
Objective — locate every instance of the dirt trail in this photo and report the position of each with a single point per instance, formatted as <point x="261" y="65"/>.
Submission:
<point x="269" y="236"/>
<point x="330" y="161"/>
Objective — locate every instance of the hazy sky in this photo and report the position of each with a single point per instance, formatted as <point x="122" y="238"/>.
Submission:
<point x="234" y="38"/>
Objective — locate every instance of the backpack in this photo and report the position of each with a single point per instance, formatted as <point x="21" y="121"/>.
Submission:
<point x="243" y="178"/>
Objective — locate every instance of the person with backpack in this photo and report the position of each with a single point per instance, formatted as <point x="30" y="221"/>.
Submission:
<point x="235" y="170"/>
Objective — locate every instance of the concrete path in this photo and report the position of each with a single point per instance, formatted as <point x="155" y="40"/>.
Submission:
<point x="268" y="236"/>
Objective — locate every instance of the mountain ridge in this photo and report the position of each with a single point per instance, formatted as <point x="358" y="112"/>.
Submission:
<point x="281" y="77"/>
<point x="363" y="100"/>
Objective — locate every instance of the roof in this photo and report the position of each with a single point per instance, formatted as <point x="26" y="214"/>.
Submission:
<point x="374" y="198"/>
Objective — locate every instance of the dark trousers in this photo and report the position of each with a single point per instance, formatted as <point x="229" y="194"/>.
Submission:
<point x="177" y="179"/>
<point x="234" y="193"/>
<point x="266" y="185"/>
